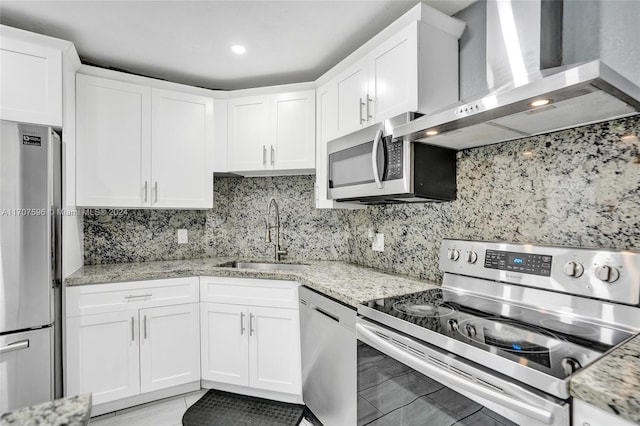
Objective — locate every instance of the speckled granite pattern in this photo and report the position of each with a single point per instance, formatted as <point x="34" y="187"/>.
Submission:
<point x="576" y="187"/>
<point x="613" y="382"/>
<point x="342" y="281"/>
<point x="235" y="226"/>
<point x="70" y="411"/>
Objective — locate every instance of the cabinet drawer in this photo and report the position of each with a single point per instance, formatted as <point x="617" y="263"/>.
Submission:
<point x="112" y="297"/>
<point x="249" y="291"/>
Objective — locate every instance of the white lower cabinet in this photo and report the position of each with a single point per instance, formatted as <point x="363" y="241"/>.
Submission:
<point x="147" y="341"/>
<point x="274" y="349"/>
<point x="169" y="346"/>
<point x="103" y="355"/>
<point x="252" y="346"/>
<point x="224" y="343"/>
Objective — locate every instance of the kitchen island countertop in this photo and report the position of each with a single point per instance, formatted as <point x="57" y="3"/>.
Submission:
<point x="346" y="282"/>
<point x="613" y="382"/>
<point x="69" y="411"/>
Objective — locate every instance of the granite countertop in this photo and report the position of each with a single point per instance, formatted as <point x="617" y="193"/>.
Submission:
<point x="613" y="382"/>
<point x="346" y="282"/>
<point x="70" y="411"/>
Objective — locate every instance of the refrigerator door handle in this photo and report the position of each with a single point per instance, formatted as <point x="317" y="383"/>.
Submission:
<point x="15" y="346"/>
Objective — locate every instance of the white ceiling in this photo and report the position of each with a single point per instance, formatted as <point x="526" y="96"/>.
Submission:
<point x="189" y="41"/>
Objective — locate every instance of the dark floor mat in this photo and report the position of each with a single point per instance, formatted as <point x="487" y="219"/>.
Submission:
<point x="217" y="408"/>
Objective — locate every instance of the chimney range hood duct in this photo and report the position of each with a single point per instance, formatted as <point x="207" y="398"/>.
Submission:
<point x="524" y="65"/>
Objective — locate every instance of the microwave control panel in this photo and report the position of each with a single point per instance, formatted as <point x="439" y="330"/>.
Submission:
<point x="394" y="159"/>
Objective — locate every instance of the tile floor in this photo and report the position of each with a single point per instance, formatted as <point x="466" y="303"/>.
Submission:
<point x="166" y="412"/>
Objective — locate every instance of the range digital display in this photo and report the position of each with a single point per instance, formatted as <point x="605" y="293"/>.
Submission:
<point x="524" y="263"/>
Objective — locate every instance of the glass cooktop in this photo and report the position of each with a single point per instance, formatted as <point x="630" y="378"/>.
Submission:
<point x="549" y="342"/>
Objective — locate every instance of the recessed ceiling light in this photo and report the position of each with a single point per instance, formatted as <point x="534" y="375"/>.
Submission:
<point x="238" y="49"/>
<point x="540" y="102"/>
<point x="431" y="132"/>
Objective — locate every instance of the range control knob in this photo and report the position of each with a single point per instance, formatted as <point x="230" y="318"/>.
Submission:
<point x="453" y="254"/>
<point x="471" y="330"/>
<point x="453" y="325"/>
<point x="570" y="365"/>
<point x="573" y="269"/>
<point x="607" y="273"/>
<point x="472" y="256"/>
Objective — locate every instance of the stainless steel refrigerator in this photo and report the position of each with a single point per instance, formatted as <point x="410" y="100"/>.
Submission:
<point x="30" y="281"/>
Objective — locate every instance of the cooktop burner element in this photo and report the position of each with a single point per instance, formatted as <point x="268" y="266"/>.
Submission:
<point x="522" y="309"/>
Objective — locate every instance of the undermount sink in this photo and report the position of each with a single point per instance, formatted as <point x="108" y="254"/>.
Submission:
<point x="266" y="266"/>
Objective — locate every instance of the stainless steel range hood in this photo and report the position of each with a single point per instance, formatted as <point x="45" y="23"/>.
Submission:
<point x="523" y="65"/>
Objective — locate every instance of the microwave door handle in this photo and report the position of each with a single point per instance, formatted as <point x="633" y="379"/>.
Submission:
<point x="374" y="159"/>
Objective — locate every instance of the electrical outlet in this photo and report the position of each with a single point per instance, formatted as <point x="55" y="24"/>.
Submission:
<point x="183" y="236"/>
<point x="378" y="242"/>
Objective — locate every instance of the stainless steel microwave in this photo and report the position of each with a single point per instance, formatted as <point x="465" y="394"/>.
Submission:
<point x="370" y="166"/>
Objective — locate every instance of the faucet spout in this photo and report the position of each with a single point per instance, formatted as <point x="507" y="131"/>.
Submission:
<point x="278" y="251"/>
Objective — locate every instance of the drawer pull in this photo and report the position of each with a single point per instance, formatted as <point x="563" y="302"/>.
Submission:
<point x="137" y="296"/>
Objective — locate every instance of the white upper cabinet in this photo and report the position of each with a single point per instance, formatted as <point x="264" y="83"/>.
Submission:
<point x="249" y="133"/>
<point x="30" y="78"/>
<point x="293" y="129"/>
<point x="113" y="122"/>
<point x="139" y="146"/>
<point x="352" y="92"/>
<point x="272" y="134"/>
<point x="413" y="70"/>
<point x="182" y="151"/>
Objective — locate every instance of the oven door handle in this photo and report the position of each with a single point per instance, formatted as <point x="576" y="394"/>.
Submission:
<point x="374" y="159"/>
<point x="448" y="378"/>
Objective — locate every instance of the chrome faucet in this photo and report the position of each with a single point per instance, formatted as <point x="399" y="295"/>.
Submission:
<point x="278" y="251"/>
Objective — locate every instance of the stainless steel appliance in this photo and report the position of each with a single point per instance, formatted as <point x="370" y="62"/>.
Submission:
<point x="499" y="341"/>
<point x="371" y="166"/>
<point x="30" y="302"/>
<point x="545" y="70"/>
<point x="328" y="339"/>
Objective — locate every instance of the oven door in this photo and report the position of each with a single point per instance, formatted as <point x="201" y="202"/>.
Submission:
<point x="403" y="381"/>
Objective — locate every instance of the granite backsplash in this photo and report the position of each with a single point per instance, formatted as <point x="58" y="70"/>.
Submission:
<point x="574" y="187"/>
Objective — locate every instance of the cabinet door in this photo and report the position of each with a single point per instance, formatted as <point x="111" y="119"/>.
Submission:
<point x="327" y="126"/>
<point x="169" y="346"/>
<point x="102" y="356"/>
<point x="352" y="98"/>
<point x="30" y="81"/>
<point x="113" y="143"/>
<point x="293" y="126"/>
<point x="393" y="76"/>
<point x="224" y="343"/>
<point x="274" y="349"/>
<point x="182" y="154"/>
<point x="248" y="133"/>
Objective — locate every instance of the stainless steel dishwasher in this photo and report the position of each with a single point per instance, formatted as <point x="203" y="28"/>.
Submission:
<point x="329" y="358"/>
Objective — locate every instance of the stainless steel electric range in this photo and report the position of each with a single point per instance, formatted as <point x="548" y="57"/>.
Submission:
<point x="499" y="341"/>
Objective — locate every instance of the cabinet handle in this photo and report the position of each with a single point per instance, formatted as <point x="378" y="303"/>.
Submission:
<point x="362" y="120"/>
<point x="369" y="100"/>
<point x="145" y="327"/>
<point x="273" y="154"/>
<point x="133" y="338"/>
<point x="264" y="155"/>
<point x="136" y="296"/>
<point x="251" y="330"/>
<point x="146" y="184"/>
<point x="241" y="323"/>
<point x="156" y="191"/>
